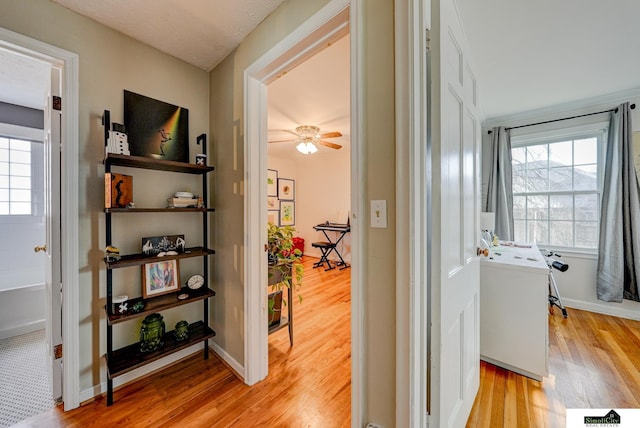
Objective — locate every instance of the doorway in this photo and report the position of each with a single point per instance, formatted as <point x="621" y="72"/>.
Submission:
<point x="60" y="205"/>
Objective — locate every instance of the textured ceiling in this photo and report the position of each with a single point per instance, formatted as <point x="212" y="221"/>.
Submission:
<point x="535" y="54"/>
<point x="200" y="32"/>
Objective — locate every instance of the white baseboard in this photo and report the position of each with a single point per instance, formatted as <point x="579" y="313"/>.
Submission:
<point x="22" y="329"/>
<point x="602" y="309"/>
<point x="231" y="362"/>
<point x="96" y="390"/>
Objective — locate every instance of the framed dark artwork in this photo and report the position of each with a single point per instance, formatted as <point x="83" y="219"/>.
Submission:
<point x="287" y="213"/>
<point x="160" y="278"/>
<point x="286" y="189"/>
<point x="157" y="245"/>
<point x="272" y="182"/>
<point x="156" y="129"/>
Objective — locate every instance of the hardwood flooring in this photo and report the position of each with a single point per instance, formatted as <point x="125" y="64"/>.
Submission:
<point x="309" y="384"/>
<point x="594" y="362"/>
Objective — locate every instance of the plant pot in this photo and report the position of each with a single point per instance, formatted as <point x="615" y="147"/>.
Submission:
<point x="275" y="307"/>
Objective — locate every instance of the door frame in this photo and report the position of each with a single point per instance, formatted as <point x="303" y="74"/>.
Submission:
<point x="329" y="23"/>
<point x="69" y="63"/>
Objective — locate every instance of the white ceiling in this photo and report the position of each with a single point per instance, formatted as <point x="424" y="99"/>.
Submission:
<point x="199" y="32"/>
<point x="535" y="54"/>
<point x="316" y="92"/>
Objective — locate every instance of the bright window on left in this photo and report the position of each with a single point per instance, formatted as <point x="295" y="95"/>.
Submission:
<point x="15" y="177"/>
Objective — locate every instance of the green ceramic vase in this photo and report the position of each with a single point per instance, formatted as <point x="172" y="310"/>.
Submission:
<point x="152" y="333"/>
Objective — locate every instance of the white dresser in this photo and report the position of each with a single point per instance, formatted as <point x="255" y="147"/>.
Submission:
<point x="514" y="331"/>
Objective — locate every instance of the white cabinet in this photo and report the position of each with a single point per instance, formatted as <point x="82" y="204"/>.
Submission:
<point x="514" y="331"/>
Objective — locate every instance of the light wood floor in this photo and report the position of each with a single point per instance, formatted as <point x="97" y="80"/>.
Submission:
<point x="309" y="384"/>
<point x="594" y="362"/>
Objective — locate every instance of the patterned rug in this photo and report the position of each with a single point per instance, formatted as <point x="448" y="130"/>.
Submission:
<point x="25" y="389"/>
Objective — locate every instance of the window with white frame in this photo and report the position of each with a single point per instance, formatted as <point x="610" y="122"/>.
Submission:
<point x="556" y="190"/>
<point x="15" y="177"/>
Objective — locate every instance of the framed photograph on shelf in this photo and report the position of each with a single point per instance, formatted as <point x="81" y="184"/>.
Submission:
<point x="287" y="213"/>
<point x="272" y="182"/>
<point x="286" y="189"/>
<point x="273" y="217"/>
<point x="160" y="278"/>
<point x="272" y="203"/>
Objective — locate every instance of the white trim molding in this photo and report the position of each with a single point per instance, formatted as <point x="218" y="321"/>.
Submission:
<point x="69" y="62"/>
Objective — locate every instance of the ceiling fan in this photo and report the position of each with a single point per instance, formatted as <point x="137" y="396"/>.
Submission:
<point x="308" y="137"/>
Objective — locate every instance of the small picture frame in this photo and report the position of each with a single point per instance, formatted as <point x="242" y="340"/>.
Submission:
<point x="286" y="189"/>
<point x="273" y="217"/>
<point x="272" y="182"/>
<point x="287" y="213"/>
<point x="272" y="203"/>
<point x="160" y="278"/>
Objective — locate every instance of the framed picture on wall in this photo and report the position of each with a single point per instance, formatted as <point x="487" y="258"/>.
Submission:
<point x="286" y="189"/>
<point x="160" y="278"/>
<point x="272" y="203"/>
<point x="287" y="213"/>
<point x="273" y="217"/>
<point x="272" y="182"/>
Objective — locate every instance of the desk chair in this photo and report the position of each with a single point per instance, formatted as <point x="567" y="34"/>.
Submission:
<point x="325" y="248"/>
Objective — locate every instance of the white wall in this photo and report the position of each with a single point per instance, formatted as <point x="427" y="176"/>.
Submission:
<point x="577" y="286"/>
<point x="322" y="189"/>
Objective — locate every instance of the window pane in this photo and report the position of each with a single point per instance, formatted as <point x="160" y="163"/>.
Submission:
<point x="539" y="232"/>
<point x="560" y="154"/>
<point x="537" y="156"/>
<point x="518" y="157"/>
<point x="20" y="169"/>
<point x="587" y="207"/>
<point x="20" y="183"/>
<point x="20" y="145"/>
<point x="4" y="168"/>
<point x="561" y="233"/>
<point x="20" y="195"/>
<point x="537" y="180"/>
<point x="586" y="234"/>
<point x="4" y="208"/>
<point x="561" y="179"/>
<point x="561" y="207"/>
<point x="4" y="155"/>
<point x="519" y="230"/>
<point x="4" y="181"/>
<point x="585" y="151"/>
<point x="4" y="195"/>
<point x="21" y="157"/>
<point x="518" y="181"/>
<point x="4" y="143"/>
<point x="537" y="207"/>
<point x="20" y="208"/>
<point x="519" y="207"/>
<point x="585" y="177"/>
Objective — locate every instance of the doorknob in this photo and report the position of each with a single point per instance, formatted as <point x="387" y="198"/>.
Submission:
<point x="39" y="248"/>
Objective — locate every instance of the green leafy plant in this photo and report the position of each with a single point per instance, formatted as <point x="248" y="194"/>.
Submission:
<point x="284" y="259"/>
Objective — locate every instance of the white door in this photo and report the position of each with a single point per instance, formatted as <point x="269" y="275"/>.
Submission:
<point x="53" y="276"/>
<point x="459" y="206"/>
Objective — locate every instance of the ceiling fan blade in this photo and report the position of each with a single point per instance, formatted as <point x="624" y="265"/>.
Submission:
<point x="290" y="132"/>
<point x="281" y="141"/>
<point x="330" y="145"/>
<point x="330" y="134"/>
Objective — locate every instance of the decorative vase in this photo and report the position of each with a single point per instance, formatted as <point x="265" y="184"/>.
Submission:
<point x="152" y="333"/>
<point x="182" y="331"/>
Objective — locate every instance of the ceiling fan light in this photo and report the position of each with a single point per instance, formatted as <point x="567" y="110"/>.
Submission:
<point x="306" y="148"/>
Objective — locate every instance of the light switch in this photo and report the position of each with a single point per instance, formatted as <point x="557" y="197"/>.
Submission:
<point x="379" y="214"/>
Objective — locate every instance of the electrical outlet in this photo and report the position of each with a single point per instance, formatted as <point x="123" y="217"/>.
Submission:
<point x="379" y="214"/>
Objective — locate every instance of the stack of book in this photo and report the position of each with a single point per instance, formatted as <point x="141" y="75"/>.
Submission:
<point x="184" y="200"/>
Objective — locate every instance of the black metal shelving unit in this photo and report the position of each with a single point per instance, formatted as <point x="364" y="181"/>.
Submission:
<point x="123" y="360"/>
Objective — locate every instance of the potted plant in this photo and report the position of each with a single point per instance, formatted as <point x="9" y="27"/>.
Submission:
<point x="284" y="264"/>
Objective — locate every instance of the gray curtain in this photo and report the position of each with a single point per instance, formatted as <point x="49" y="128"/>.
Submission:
<point x="500" y="189"/>
<point x="619" y="247"/>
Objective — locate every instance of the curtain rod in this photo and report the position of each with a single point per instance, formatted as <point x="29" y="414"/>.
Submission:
<point x="632" y="106"/>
